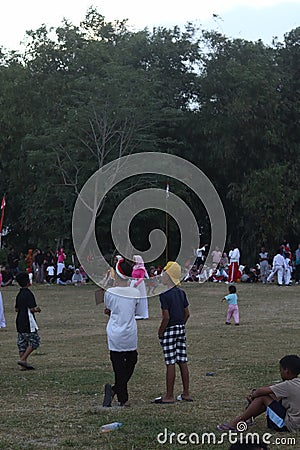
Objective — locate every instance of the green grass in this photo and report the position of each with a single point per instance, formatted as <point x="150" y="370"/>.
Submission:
<point x="58" y="406"/>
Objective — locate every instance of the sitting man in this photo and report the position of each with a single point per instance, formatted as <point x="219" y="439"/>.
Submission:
<point x="281" y="401"/>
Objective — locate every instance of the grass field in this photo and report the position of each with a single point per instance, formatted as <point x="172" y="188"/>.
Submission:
<point x="58" y="406"/>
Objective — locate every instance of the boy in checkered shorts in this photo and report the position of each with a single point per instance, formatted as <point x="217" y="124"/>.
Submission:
<point x="28" y="338"/>
<point x="175" y="313"/>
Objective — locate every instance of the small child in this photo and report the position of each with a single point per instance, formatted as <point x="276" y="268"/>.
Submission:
<point x="28" y="338"/>
<point x="171" y="332"/>
<point x="233" y="309"/>
<point x="50" y="273"/>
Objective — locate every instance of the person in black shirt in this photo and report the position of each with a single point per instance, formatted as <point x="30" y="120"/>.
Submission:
<point x="39" y="266"/>
<point x="28" y="338"/>
<point x="13" y="262"/>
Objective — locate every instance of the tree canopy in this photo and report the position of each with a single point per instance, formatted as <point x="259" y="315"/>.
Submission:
<point x="81" y="96"/>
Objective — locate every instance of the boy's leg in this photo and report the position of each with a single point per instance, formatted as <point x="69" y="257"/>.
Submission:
<point x="280" y="276"/>
<point x="170" y="381"/>
<point x="27" y="343"/>
<point x="185" y="378"/>
<point x="118" y="360"/>
<point x="256" y="407"/>
<point x="130" y="362"/>
<point x="168" y="343"/>
<point x="24" y="355"/>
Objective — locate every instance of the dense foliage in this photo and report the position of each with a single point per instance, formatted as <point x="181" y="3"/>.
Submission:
<point x="79" y="97"/>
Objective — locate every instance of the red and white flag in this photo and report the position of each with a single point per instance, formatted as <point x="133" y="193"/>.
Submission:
<point x="167" y="190"/>
<point x="3" y="203"/>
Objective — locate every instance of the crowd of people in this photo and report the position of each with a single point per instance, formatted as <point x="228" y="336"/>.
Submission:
<point x="42" y="267"/>
<point x="283" y="268"/>
<point x="126" y="281"/>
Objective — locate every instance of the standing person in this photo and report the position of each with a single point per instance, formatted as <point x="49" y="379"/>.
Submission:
<point x="297" y="265"/>
<point x="50" y="270"/>
<point x="139" y="273"/>
<point x="216" y="256"/>
<point x="39" y="266"/>
<point x="263" y="259"/>
<point x="233" y="309"/>
<point x="234" y="262"/>
<point x="2" y="318"/>
<point x="60" y="261"/>
<point x="224" y="262"/>
<point x="120" y="305"/>
<point x="28" y="338"/>
<point x="287" y="273"/>
<point x="29" y="260"/>
<point x="277" y="268"/>
<point x="13" y="262"/>
<point x="171" y="332"/>
<point x="200" y="258"/>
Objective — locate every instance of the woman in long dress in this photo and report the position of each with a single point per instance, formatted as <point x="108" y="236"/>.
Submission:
<point x="139" y="272"/>
<point x="2" y="318"/>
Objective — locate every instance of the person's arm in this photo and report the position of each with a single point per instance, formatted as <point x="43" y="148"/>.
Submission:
<point x="186" y="314"/>
<point x="164" y="322"/>
<point x="137" y="283"/>
<point x="141" y="275"/>
<point x="265" y="390"/>
<point x="36" y="309"/>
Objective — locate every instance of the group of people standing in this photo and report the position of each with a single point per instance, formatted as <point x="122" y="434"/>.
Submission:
<point x="121" y="305"/>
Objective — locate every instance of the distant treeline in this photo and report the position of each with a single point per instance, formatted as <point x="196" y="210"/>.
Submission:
<point x="79" y="97"/>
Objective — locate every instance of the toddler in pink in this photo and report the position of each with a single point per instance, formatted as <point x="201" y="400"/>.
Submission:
<point x="233" y="309"/>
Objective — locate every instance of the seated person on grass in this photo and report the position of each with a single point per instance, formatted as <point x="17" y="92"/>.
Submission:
<point x="281" y="401"/>
<point x="77" y="278"/>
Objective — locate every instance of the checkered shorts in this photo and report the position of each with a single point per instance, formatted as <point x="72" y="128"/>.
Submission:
<point x="173" y="344"/>
<point x="25" y="340"/>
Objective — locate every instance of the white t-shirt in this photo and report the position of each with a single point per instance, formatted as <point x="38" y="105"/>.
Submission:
<point x="50" y="270"/>
<point x="121" y="328"/>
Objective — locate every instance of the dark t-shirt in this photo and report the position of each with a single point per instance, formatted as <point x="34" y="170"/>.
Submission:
<point x="175" y="301"/>
<point x="25" y="300"/>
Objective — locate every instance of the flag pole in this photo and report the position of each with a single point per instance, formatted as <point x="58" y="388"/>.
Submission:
<point x="167" y="222"/>
<point x="167" y="232"/>
<point x="2" y="218"/>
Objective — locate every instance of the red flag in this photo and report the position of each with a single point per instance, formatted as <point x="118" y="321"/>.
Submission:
<point x="3" y="203"/>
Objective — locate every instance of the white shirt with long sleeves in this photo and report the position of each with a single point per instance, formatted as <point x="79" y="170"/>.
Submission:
<point x="234" y="255"/>
<point x="278" y="260"/>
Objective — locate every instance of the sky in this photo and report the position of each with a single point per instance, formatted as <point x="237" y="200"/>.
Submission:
<point x="246" y="19"/>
